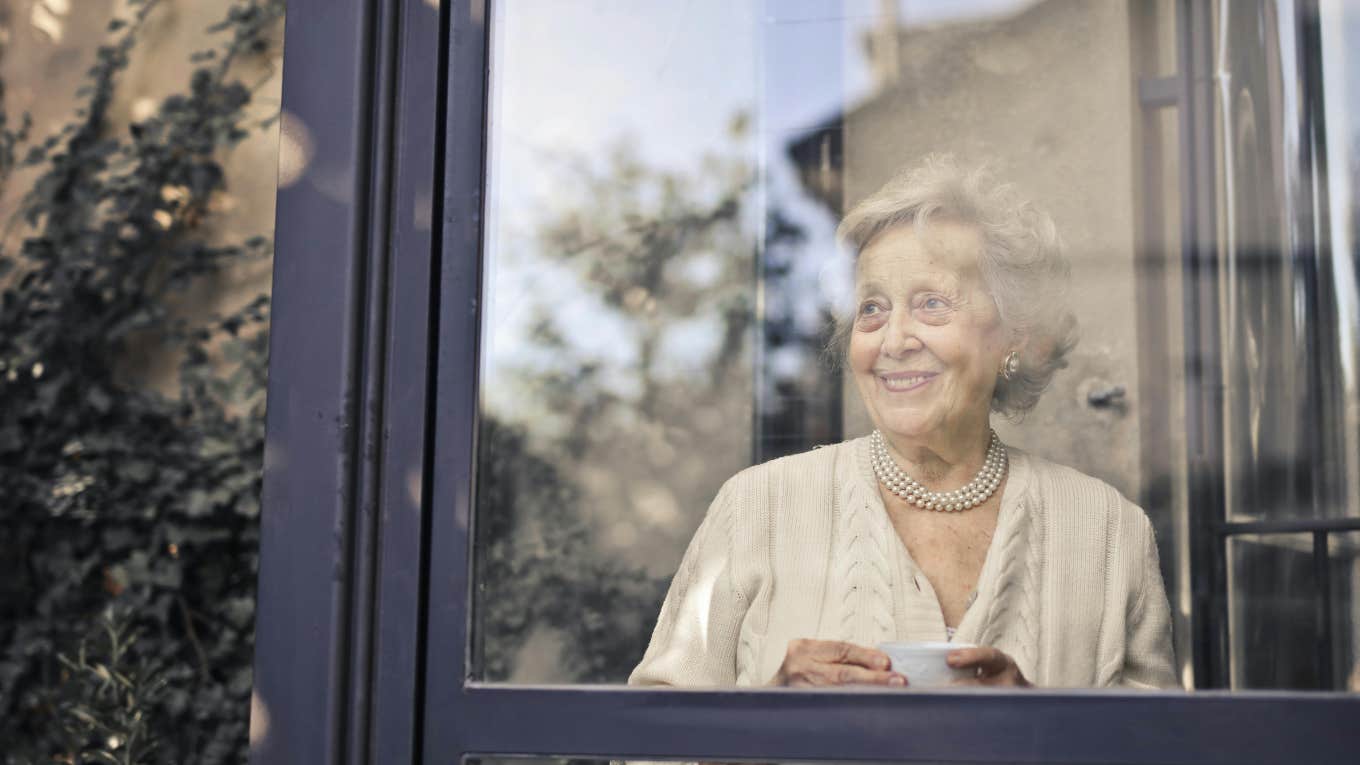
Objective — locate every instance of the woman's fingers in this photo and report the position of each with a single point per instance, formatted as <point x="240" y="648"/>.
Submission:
<point x="820" y="673"/>
<point x="834" y="662"/>
<point x="840" y="652"/>
<point x="987" y="660"/>
<point x="994" y="667"/>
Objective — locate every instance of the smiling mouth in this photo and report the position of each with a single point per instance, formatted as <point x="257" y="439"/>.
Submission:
<point x="900" y="382"/>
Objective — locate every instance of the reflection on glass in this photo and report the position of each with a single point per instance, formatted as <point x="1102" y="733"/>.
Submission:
<point x="1344" y="615"/>
<point x="1288" y="284"/>
<point x="1294" y="610"/>
<point x="1340" y="25"/>
<point x="1285" y="389"/>
<point x="1273" y="610"/>
<point x="662" y="283"/>
<point x="623" y="226"/>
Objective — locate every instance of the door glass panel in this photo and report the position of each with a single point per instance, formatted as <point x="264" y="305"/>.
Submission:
<point x="1293" y="612"/>
<point x="1344" y="618"/>
<point x="1289" y="325"/>
<point x="666" y="303"/>
<point x="618" y="380"/>
<point x="1274" y="611"/>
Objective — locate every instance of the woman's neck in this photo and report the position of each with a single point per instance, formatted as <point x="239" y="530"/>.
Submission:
<point x="945" y="461"/>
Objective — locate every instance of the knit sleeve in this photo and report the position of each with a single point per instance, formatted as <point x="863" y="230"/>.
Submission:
<point x="1149" y="654"/>
<point x="695" y="639"/>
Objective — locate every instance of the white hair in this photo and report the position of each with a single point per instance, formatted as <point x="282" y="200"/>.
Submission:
<point x="1022" y="262"/>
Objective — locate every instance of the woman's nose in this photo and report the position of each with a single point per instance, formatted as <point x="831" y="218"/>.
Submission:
<point x="900" y="337"/>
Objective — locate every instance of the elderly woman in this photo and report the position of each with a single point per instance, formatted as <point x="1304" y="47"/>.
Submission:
<point x="928" y="529"/>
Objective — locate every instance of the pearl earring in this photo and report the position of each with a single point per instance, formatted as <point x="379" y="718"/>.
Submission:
<point x="1011" y="366"/>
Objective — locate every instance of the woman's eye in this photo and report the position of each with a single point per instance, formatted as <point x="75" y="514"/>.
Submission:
<point x="934" y="309"/>
<point x="871" y="315"/>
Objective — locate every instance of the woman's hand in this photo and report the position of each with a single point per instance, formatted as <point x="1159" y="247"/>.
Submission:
<point x="832" y="662"/>
<point x="993" y="666"/>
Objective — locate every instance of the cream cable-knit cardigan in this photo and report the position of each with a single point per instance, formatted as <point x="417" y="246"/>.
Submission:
<point x="802" y="547"/>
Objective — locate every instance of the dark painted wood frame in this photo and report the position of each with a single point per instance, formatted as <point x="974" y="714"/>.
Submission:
<point x="339" y="623"/>
<point x="364" y="605"/>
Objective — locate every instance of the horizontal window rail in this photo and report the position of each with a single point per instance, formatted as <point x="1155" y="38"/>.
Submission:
<point x="974" y="725"/>
<point x="1287" y="526"/>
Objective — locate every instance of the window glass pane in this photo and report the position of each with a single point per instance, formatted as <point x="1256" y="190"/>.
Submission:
<point x="619" y="384"/>
<point x="1152" y="312"/>
<point x="1293" y="613"/>
<point x="1340" y="28"/>
<point x="1288" y="325"/>
<point x="1344" y="586"/>
<point x="1274" y="611"/>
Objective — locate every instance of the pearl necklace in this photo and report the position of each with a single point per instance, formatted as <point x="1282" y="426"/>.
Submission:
<point x="965" y="497"/>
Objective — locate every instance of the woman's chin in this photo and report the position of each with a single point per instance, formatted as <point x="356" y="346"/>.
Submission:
<point x="906" y="431"/>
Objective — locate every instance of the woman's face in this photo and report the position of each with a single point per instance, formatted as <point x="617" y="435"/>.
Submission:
<point x="927" y="341"/>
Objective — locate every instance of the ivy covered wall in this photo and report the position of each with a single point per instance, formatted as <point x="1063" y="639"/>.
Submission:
<point x="133" y="338"/>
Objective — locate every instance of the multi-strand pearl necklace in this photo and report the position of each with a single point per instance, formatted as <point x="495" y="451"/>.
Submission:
<point x="965" y="497"/>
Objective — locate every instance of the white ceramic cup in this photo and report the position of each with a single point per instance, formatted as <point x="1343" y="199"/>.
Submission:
<point x="924" y="663"/>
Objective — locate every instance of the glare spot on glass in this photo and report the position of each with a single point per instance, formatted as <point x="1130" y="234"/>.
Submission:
<point x="656" y="504"/>
<point x="835" y="281"/>
<point x="636" y="298"/>
<point x="259" y="719"/>
<point x="423" y="212"/>
<point x="296" y="149"/>
<point x="46" y="17"/>
<point x="174" y="193"/>
<point x="275" y="456"/>
<point x="143" y="108"/>
<point x="335" y="181"/>
<point x="413" y="485"/>
<point x="702" y="592"/>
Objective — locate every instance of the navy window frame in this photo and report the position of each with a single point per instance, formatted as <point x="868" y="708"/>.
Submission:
<point x="365" y="588"/>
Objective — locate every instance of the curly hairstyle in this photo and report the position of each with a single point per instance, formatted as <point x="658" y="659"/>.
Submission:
<point x="1022" y="262"/>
